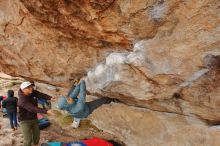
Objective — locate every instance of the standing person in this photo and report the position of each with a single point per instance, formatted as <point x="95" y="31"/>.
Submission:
<point x="77" y="106"/>
<point x="10" y="104"/>
<point x="28" y="109"/>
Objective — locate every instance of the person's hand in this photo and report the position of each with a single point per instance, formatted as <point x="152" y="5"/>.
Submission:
<point x="69" y="100"/>
<point x="53" y="98"/>
<point x="50" y="113"/>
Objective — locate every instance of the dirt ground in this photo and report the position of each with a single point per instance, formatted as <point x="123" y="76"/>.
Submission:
<point x="59" y="130"/>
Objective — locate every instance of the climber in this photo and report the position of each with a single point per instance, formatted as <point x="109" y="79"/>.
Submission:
<point x="77" y="106"/>
<point x="11" y="106"/>
<point x="28" y="110"/>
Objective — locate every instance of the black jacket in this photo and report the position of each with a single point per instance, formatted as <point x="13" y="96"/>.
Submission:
<point x="10" y="104"/>
<point x="28" y="106"/>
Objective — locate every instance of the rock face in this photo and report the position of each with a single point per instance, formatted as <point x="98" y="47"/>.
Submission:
<point x="176" y="71"/>
<point x="140" y="127"/>
<point x="155" y="54"/>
